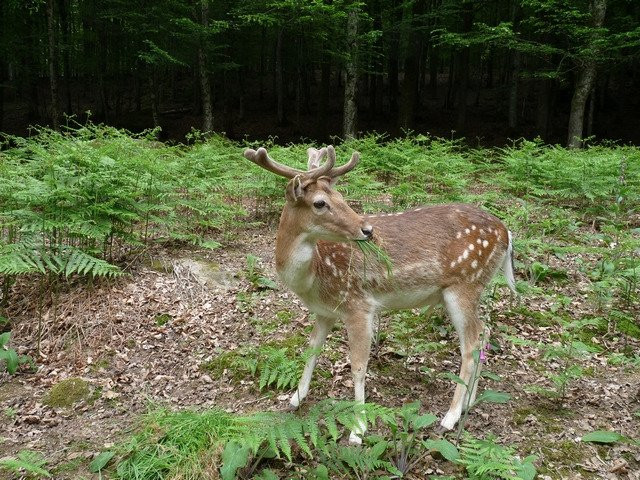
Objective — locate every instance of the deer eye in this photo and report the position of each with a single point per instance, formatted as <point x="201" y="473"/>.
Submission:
<point x="319" y="204"/>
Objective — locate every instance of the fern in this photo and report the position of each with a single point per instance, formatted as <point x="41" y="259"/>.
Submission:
<point x="487" y="460"/>
<point x="26" y="461"/>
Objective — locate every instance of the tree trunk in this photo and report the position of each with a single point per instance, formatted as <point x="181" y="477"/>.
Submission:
<point x="66" y="64"/>
<point x="409" y="88"/>
<point x="542" y="109"/>
<point x="279" y="79"/>
<point x="584" y="82"/>
<point x="205" y="87"/>
<point x="53" y="61"/>
<point x="323" y="100"/>
<point x="513" y="91"/>
<point x="153" y="93"/>
<point x="462" y="71"/>
<point x="351" y="80"/>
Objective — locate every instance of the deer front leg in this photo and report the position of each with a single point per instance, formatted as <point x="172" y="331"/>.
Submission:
<point x="462" y="307"/>
<point x="359" y="330"/>
<point x="318" y="336"/>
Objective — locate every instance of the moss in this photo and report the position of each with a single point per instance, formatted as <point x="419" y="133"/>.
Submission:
<point x="159" y="265"/>
<point x="163" y="319"/>
<point x="67" y="392"/>
<point x="216" y="366"/>
<point x="284" y="316"/>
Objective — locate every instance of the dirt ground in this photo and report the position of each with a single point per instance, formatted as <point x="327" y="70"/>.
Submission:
<point x="141" y="340"/>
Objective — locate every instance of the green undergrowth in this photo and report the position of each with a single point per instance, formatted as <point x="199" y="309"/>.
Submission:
<point x="218" y="444"/>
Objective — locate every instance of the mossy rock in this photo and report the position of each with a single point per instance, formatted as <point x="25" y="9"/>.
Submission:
<point x="67" y="392"/>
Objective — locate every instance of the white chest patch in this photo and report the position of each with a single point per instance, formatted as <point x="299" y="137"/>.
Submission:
<point x="296" y="273"/>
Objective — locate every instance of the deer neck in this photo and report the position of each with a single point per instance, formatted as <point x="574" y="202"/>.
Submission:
<point x="295" y="250"/>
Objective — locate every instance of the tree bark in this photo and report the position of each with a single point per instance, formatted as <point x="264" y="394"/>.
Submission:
<point x="279" y="79"/>
<point x="351" y="81"/>
<point x="205" y="87"/>
<point x="409" y="88"/>
<point x="66" y="64"/>
<point x="542" y="108"/>
<point x="463" y="70"/>
<point x="584" y="82"/>
<point x="53" y="61"/>
<point x="323" y="101"/>
<point x="513" y="91"/>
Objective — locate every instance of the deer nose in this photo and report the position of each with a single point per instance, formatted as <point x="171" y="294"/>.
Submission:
<point x="367" y="231"/>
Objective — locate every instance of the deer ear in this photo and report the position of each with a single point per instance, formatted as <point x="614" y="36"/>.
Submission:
<point x="295" y="190"/>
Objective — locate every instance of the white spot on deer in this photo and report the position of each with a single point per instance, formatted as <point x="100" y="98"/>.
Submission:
<point x="479" y="252"/>
<point x="467" y="231"/>
<point x="485" y="243"/>
<point x="471" y="247"/>
<point x="465" y="254"/>
<point x="464" y="271"/>
<point x="460" y="259"/>
<point x="495" y="232"/>
<point x="482" y="231"/>
<point x="473" y="227"/>
<point x="490" y="230"/>
<point x="327" y="260"/>
<point x="474" y="264"/>
<point x="458" y="235"/>
<point x="399" y="213"/>
<point x="478" y="241"/>
<point x="453" y="264"/>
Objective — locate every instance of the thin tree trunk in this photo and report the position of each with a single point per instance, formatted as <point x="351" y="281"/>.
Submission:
<point x="279" y="79"/>
<point x="463" y="70"/>
<point x="584" y="83"/>
<point x="592" y="104"/>
<point x="153" y="93"/>
<point x="53" y="61"/>
<point x="351" y="80"/>
<point x="542" y="109"/>
<point x="205" y="87"/>
<point x="66" y="64"/>
<point x="513" y="91"/>
<point x="323" y="101"/>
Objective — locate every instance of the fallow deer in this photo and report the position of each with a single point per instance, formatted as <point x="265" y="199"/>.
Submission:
<point x="439" y="254"/>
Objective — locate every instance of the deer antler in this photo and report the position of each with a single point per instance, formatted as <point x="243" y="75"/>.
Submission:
<point x="347" y="167"/>
<point x="262" y="159"/>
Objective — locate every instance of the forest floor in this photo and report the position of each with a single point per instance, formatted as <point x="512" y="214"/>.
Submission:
<point x="161" y="336"/>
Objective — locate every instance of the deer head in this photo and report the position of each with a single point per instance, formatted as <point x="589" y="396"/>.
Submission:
<point x="313" y="205"/>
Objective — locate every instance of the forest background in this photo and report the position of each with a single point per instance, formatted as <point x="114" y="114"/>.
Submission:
<point x="488" y="70"/>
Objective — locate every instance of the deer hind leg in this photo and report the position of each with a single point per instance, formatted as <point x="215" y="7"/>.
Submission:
<point x="318" y="336"/>
<point x="462" y="307"/>
<point x="359" y="330"/>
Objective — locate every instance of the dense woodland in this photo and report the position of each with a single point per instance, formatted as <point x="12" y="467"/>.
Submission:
<point x="487" y="70"/>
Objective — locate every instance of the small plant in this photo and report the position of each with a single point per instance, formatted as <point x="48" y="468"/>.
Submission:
<point x="255" y="275"/>
<point x="487" y="460"/>
<point x="27" y="462"/>
<point x="10" y="357"/>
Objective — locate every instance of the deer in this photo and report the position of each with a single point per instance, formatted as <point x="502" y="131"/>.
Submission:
<point x="440" y="254"/>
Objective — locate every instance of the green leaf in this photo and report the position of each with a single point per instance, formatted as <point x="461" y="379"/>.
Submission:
<point x="424" y="421"/>
<point x="4" y="338"/>
<point x="101" y="461"/>
<point x="603" y="436"/>
<point x="211" y="244"/>
<point x="321" y="473"/>
<point x="455" y="378"/>
<point x="445" y="447"/>
<point x="11" y="357"/>
<point x="234" y="456"/>
<point x="491" y="376"/>
<point x="491" y="396"/>
<point x="267" y="283"/>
